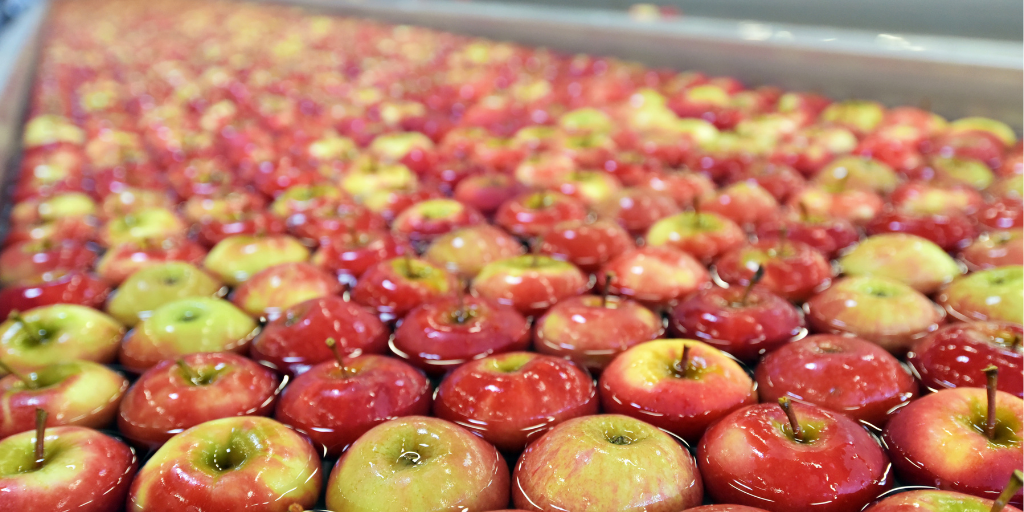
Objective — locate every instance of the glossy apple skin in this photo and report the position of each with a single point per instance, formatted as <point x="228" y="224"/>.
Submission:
<point x="792" y="270"/>
<point x="726" y="508"/>
<point x="749" y="458"/>
<point x="512" y="399"/>
<point x="716" y="317"/>
<point x="163" y="402"/>
<point x="637" y="209"/>
<point x="280" y="468"/>
<point x="938" y="440"/>
<point x="72" y="332"/>
<point x="910" y="259"/>
<point x="704" y="235"/>
<point x="844" y="374"/>
<point x="654" y="276"/>
<point x="586" y="245"/>
<point x="431" y="337"/>
<point x="79" y="393"/>
<point x="350" y="256"/>
<point x="1000" y="214"/>
<point x="27" y="261"/>
<point x="123" y="260"/>
<point x="386" y="288"/>
<point x="994" y="294"/>
<point x="294" y="341"/>
<point x="995" y="249"/>
<point x="895" y="320"/>
<point x="584" y="331"/>
<point x="644" y="383"/>
<point x="417" y="224"/>
<point x="934" y="501"/>
<point x="72" y="287"/>
<point x="466" y="251"/>
<point x="744" y="202"/>
<point x="367" y="477"/>
<point x="534" y="214"/>
<point x="214" y="230"/>
<point x="577" y="466"/>
<point x="93" y="472"/>
<point x="334" y="408"/>
<point x="527" y="287"/>
<point x="275" y="289"/>
<point x="955" y="355"/>
<point x="951" y="232"/>
<point x="487" y="192"/>
<point x="238" y="257"/>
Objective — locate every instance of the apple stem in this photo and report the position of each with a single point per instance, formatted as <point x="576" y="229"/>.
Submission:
<point x="1014" y="485"/>
<point x="189" y="372"/>
<point x="787" y="406"/>
<point x="608" y="277"/>
<point x="40" y="437"/>
<point x="30" y="330"/>
<point x="29" y="383"/>
<point x="758" y="275"/>
<point x="683" y="365"/>
<point x="460" y="313"/>
<point x="333" y="345"/>
<point x="534" y="251"/>
<point x="804" y="215"/>
<point x="698" y="220"/>
<point x="991" y="378"/>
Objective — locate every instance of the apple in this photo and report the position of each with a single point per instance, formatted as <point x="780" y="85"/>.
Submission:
<point x="336" y="402"/>
<point x="52" y="288"/>
<point x="923" y="197"/>
<point x="880" y="310"/>
<point x="950" y="232"/>
<point x="591" y="331"/>
<point x="955" y="355"/>
<point x="91" y="470"/>
<point x="582" y="463"/>
<point x="465" y="251"/>
<point x="301" y="199"/>
<point x="213" y="230"/>
<point x="530" y="283"/>
<point x="29" y="261"/>
<point x="844" y="374"/>
<point x="332" y="221"/>
<point x="429" y="219"/>
<point x="486" y="192"/>
<point x="148" y="223"/>
<point x="588" y="245"/>
<point x="250" y="462"/>
<point x="703" y="235"/>
<point x="350" y="255"/>
<point x="237" y="258"/>
<point x="792" y="270"/>
<point x="753" y="457"/>
<point x="413" y="149"/>
<point x="589" y="186"/>
<point x="508" y="399"/>
<point x="860" y="116"/>
<point x="744" y="322"/>
<point x="936" y="501"/>
<point x="682" y="186"/>
<point x="852" y="205"/>
<point x="51" y="209"/>
<point x="81" y="393"/>
<point x="444" y="333"/>
<point x="779" y="180"/>
<point x="636" y="209"/>
<point x="909" y="259"/>
<point x="547" y="169"/>
<point x="963" y="439"/>
<point x="186" y="326"/>
<point x="654" y="276"/>
<point x="274" y="289"/>
<point x="994" y="249"/>
<point x="681" y="386"/>
<point x="132" y="200"/>
<point x="998" y="214"/>
<point x="292" y="343"/>
<point x="395" y="286"/>
<point x="828" y="235"/>
<point x="994" y="294"/>
<point x="418" y="464"/>
<point x="61" y="332"/>
<point x="125" y="259"/>
<point x="179" y="394"/>
<point x="535" y="213"/>
<point x="745" y="203"/>
<point x="367" y="175"/>
<point x="153" y="286"/>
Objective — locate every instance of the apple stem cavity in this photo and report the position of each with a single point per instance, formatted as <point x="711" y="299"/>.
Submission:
<point x="190" y="373"/>
<point x="991" y="380"/>
<point x="787" y="406"/>
<point x="29" y="383"/>
<point x="758" y="275"/>
<point x="333" y="345"/>
<point x="40" y="437"/>
<point x="460" y="312"/>
<point x="1014" y="485"/>
<point x="30" y="330"/>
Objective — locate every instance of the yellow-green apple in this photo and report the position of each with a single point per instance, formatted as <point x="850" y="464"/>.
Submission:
<point x="546" y="169"/>
<point x="585" y="120"/>
<point x="427" y="220"/>
<point x="753" y="456"/>
<point x="591" y="330"/>
<point x="993" y="294"/>
<point x="125" y="259"/>
<point x="703" y="235"/>
<point x="446" y="332"/>
<point x="133" y="199"/>
<point x="656" y="277"/>
<point x="367" y="176"/>
<point x="857" y="173"/>
<point x="936" y="501"/>
<point x="994" y="249"/>
<point x="924" y="197"/>
<point x="79" y="393"/>
<point x="533" y="214"/>
<point x="844" y="374"/>
<point x="860" y="116"/>
<point x="61" y="332"/>
<point x="186" y="326"/>
<point x="465" y="251"/>
<point x="336" y="402"/>
<point x="853" y="205"/>
<point x="530" y="283"/>
<point x="153" y="286"/>
<point x="589" y="186"/>
<point x="582" y="463"/>
<point x="145" y="224"/>
<point x="906" y="258"/>
<point x="247" y="462"/>
<point x="964" y="439"/>
<point x="955" y="170"/>
<point x="878" y="309"/>
<point x="682" y="386"/>
<point x="588" y="245"/>
<point x="237" y="258"/>
<point x="514" y="398"/>
<point x="303" y="199"/>
<point x="418" y="464"/>
<point x="956" y="355"/>
<point x="396" y="286"/>
<point x="179" y="394"/>
<point x="274" y="289"/>
<point x="81" y="470"/>
<point x="50" y="209"/>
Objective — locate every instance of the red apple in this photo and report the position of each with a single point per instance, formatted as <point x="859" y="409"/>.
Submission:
<point x="654" y="276"/>
<point x="955" y="356"/>
<point x="427" y="220"/>
<point x="29" y="261"/>
<point x="274" y="289"/>
<point x="55" y="287"/>
<point x="529" y="284"/>
<point x="350" y="255"/>
<point x="637" y="209"/>
<point x="123" y="260"/>
<point x="994" y="249"/>
<point x="466" y="251"/>
<point x="396" y="286"/>
<point x="588" y="245"/>
<point x="704" y="235"/>
<point x="536" y="213"/>
<point x="792" y="270"/>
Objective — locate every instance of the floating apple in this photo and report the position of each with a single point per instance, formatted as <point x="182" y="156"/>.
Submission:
<point x="909" y="259"/>
<point x="58" y="333"/>
<point x="654" y="276"/>
<point x="153" y="286"/>
<point x="274" y="289"/>
<point x="464" y="252"/>
<point x="703" y="235"/>
<point x="993" y="294"/>
<point x="396" y="286"/>
<point x="529" y="284"/>
<point x="955" y="356"/>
